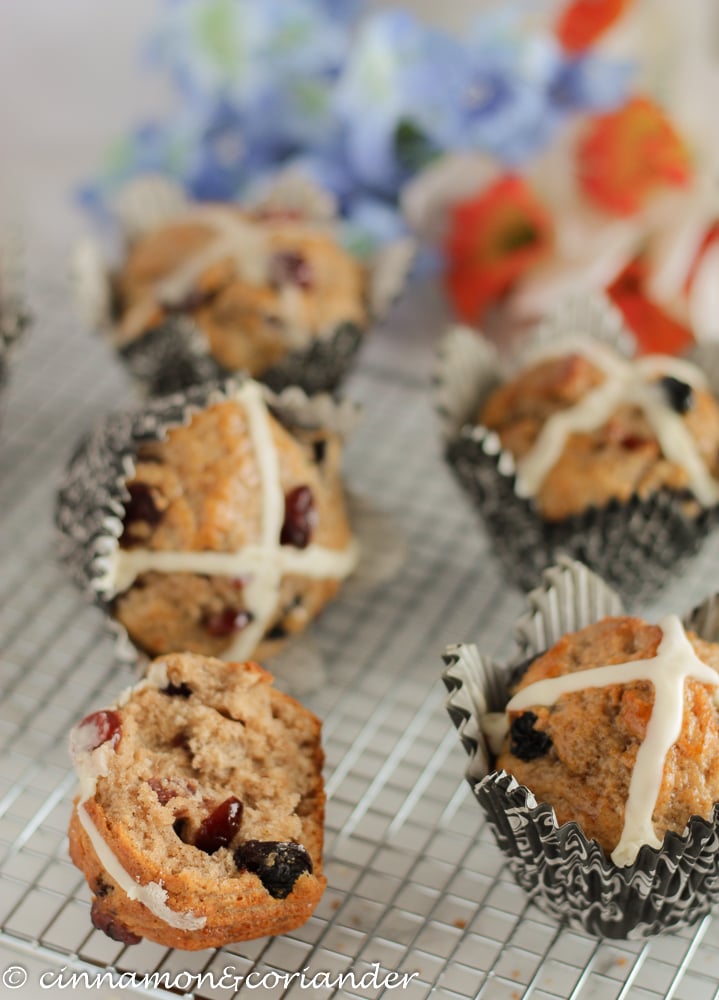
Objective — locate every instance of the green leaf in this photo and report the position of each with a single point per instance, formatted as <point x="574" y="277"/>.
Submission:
<point x="412" y="147"/>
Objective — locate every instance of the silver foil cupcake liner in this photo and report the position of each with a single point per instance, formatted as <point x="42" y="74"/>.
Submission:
<point x="566" y="874"/>
<point x="91" y="499"/>
<point x="637" y="545"/>
<point x="175" y="355"/>
<point x="14" y="317"/>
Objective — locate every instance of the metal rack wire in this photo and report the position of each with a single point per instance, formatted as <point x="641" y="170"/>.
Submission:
<point x="415" y="882"/>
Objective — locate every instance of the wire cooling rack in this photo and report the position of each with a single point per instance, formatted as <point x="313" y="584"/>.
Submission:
<point x="416" y="884"/>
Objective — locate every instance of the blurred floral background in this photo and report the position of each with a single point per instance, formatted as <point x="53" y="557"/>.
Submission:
<point x="528" y="147"/>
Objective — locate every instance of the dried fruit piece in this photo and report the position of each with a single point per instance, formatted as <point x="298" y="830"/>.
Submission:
<point x="300" y="517"/>
<point x="290" y="268"/>
<point x="680" y="394"/>
<point x="106" y="923"/>
<point x="180" y="690"/>
<point x="319" y="450"/>
<point x="227" y="622"/>
<point x="527" y="742"/>
<point x="141" y="508"/>
<point x="169" y="788"/>
<point x="277" y="865"/>
<point x="97" y="728"/>
<point x="219" y="828"/>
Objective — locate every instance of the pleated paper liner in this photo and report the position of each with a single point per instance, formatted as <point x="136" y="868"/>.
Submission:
<point x="566" y="874"/>
<point x="14" y="315"/>
<point x="176" y="354"/>
<point x="638" y="546"/>
<point x="91" y="502"/>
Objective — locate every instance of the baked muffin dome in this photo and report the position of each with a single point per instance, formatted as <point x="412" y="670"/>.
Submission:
<point x="617" y="728"/>
<point x="257" y="285"/>
<point x="201" y="808"/>
<point x="235" y="533"/>
<point x="586" y="427"/>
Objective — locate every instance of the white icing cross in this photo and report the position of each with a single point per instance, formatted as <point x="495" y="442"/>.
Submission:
<point x="626" y="382"/>
<point x="237" y="239"/>
<point x="674" y="662"/>
<point x="263" y="564"/>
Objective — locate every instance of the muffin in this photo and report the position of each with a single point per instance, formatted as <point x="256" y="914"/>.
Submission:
<point x="581" y="449"/>
<point x="213" y="522"/>
<point x="201" y="808"/>
<point x="586" y="426"/>
<point x="219" y="289"/>
<point x="598" y="760"/>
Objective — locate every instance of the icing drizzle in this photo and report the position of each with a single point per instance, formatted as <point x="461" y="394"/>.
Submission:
<point x="626" y="382"/>
<point x="263" y="565"/>
<point x="674" y="662"/>
<point x="241" y="241"/>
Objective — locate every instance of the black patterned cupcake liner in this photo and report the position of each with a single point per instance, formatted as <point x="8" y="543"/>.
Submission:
<point x="14" y="317"/>
<point x="176" y="354"/>
<point x="638" y="546"/>
<point x="566" y="874"/>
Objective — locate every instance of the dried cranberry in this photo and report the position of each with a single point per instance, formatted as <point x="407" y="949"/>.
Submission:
<point x="291" y="268"/>
<point x="140" y="508"/>
<point x="106" y="923"/>
<point x="169" y="788"/>
<point x="632" y="442"/>
<point x="527" y="742"/>
<point x="277" y="865"/>
<point x="218" y="829"/>
<point x="300" y="517"/>
<point x="98" y="728"/>
<point x="226" y="622"/>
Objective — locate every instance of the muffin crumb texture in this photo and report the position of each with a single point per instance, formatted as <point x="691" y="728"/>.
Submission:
<point x="204" y="784"/>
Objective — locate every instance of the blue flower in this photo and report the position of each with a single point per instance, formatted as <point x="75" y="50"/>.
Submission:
<point x="393" y="96"/>
<point x="274" y="60"/>
<point x="590" y="83"/>
<point x="226" y="154"/>
<point x="518" y="87"/>
<point x="266" y="83"/>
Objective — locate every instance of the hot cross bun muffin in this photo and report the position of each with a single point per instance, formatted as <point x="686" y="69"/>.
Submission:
<point x="235" y="533"/>
<point x="257" y="285"/>
<point x="586" y="427"/>
<point x="617" y="727"/>
<point x="200" y="815"/>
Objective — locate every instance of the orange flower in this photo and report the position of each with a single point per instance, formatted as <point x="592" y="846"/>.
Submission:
<point x="493" y="239"/>
<point x="655" y="331"/>
<point x="583" y="21"/>
<point x="629" y="154"/>
<point x="710" y="237"/>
